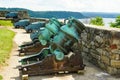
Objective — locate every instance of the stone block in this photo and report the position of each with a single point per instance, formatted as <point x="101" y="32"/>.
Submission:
<point x="83" y="43"/>
<point x="105" y="53"/>
<point x="97" y="45"/>
<point x="115" y="56"/>
<point x="85" y="49"/>
<point x="102" y="65"/>
<point x="84" y="36"/>
<point x="116" y="41"/>
<point x="105" y="59"/>
<point x="93" y="47"/>
<point x="99" y="39"/>
<point x="112" y="70"/>
<point x="89" y="57"/>
<point x="115" y="51"/>
<point x="99" y="50"/>
<point x="92" y="43"/>
<point x="94" y="61"/>
<point x="115" y="63"/>
<point x="95" y="56"/>
<point x="3" y="13"/>
<point x="113" y="46"/>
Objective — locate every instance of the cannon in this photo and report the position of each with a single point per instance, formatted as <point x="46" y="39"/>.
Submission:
<point x="12" y="15"/>
<point x="35" y="26"/>
<point x="22" y="23"/>
<point x="34" y="38"/>
<point x="61" y="55"/>
<point x="35" y="46"/>
<point x="32" y="49"/>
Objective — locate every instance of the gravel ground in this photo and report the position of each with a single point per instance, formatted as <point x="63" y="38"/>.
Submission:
<point x="11" y="72"/>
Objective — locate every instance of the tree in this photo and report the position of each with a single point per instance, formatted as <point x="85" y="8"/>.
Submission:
<point x="97" y="21"/>
<point x="116" y="23"/>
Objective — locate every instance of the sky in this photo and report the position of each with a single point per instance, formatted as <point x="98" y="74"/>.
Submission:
<point x="65" y="5"/>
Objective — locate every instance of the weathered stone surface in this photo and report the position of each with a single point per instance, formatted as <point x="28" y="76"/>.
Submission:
<point x="115" y="63"/>
<point x="92" y="43"/>
<point x="99" y="50"/>
<point x="105" y="60"/>
<point x="84" y="36"/>
<point x="23" y="14"/>
<point x="115" y="51"/>
<point x="116" y="41"/>
<point x="102" y="65"/>
<point x="116" y="35"/>
<point x="112" y="70"/>
<point x="85" y="49"/>
<point x="105" y="53"/>
<point x="102" y="47"/>
<point x="83" y="43"/>
<point x="95" y="56"/>
<point x="3" y="13"/>
<point x="113" y="46"/>
<point x="97" y="45"/>
<point x="99" y="39"/>
<point x="115" y="56"/>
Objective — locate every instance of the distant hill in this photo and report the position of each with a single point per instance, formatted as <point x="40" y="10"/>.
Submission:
<point x="48" y="14"/>
<point x="64" y="14"/>
<point x="102" y="14"/>
<point x="56" y="14"/>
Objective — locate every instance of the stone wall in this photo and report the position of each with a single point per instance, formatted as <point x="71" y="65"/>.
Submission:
<point x="23" y="14"/>
<point x="3" y="13"/>
<point x="101" y="46"/>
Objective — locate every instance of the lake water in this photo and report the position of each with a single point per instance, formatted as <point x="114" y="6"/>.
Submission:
<point x="105" y="20"/>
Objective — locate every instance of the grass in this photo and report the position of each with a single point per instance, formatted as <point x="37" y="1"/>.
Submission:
<point x="6" y="44"/>
<point x="1" y="78"/>
<point x="6" y="23"/>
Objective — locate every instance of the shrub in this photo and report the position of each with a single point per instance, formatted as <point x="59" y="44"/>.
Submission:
<point x="116" y="23"/>
<point x="97" y="21"/>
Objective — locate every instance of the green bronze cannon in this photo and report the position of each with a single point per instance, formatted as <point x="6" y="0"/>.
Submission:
<point x="51" y="29"/>
<point x="60" y="56"/>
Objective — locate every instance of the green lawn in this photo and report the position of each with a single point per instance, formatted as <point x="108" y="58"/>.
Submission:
<point x="6" y="23"/>
<point x="1" y="78"/>
<point x="6" y="44"/>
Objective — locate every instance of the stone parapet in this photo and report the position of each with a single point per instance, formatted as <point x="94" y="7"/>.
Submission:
<point x="23" y="14"/>
<point x="101" y="46"/>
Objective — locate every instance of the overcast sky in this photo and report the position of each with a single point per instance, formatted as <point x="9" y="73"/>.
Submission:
<point x="65" y="5"/>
